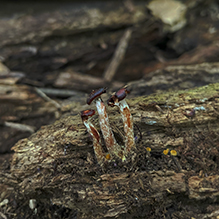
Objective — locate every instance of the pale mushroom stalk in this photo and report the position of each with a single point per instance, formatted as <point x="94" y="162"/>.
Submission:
<point x="94" y="134"/>
<point x="127" y="124"/>
<point x="110" y="141"/>
<point x="118" y="99"/>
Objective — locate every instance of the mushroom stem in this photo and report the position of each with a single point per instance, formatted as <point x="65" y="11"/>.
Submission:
<point x="110" y="141"/>
<point x="118" y="99"/>
<point x="94" y="134"/>
<point x="127" y="124"/>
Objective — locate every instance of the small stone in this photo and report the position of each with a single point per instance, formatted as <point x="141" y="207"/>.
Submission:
<point x="32" y="203"/>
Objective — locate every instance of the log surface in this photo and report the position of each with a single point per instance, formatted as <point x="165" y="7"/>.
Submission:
<point x="57" y="164"/>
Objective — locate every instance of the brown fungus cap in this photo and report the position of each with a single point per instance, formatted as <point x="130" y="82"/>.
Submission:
<point x="118" y="96"/>
<point x="94" y="94"/>
<point x="121" y="94"/>
<point x="87" y="113"/>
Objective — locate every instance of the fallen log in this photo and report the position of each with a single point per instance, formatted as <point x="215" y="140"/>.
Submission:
<point x="57" y="165"/>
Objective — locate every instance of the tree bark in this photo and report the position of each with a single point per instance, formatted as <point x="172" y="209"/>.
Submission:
<point x="57" y="164"/>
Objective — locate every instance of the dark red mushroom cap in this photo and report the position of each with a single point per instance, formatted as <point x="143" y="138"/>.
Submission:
<point x="94" y="94"/>
<point x="121" y="94"/>
<point x="118" y="96"/>
<point x="87" y="113"/>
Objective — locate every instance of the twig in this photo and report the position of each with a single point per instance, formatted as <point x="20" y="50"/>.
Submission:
<point x="45" y="97"/>
<point x="60" y="92"/>
<point x="118" y="56"/>
<point x="21" y="127"/>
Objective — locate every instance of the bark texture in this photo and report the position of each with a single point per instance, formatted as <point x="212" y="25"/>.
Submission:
<point x="57" y="164"/>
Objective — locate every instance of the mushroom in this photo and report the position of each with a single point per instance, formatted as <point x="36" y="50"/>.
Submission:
<point x="94" y="134"/>
<point x="118" y="99"/>
<point x="110" y="141"/>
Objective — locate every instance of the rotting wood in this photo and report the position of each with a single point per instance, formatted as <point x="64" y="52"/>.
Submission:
<point x="20" y="106"/>
<point x="175" y="77"/>
<point x="59" y="161"/>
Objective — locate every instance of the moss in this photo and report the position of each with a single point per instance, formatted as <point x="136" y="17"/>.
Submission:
<point x="200" y="94"/>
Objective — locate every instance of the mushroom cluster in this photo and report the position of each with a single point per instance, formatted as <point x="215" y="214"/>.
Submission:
<point x="113" y="148"/>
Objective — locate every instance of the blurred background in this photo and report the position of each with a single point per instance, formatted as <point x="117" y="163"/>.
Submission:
<point x="52" y="54"/>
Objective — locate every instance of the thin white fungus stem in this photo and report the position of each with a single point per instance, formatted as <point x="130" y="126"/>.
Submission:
<point x="127" y="124"/>
<point x="110" y="141"/>
<point x="96" y="141"/>
<point x="97" y="144"/>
